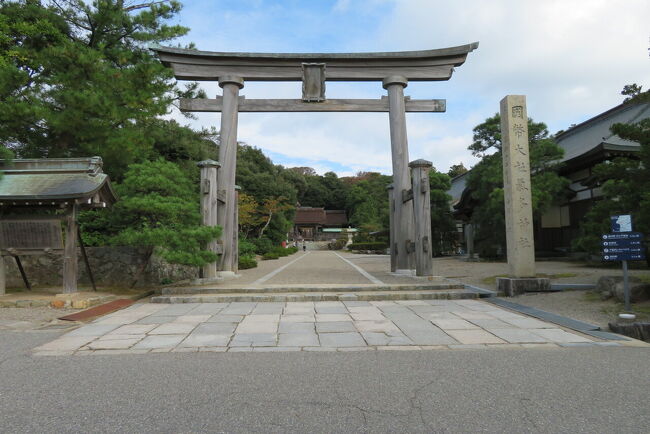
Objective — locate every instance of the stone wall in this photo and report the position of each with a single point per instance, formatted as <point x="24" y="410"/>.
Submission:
<point x="111" y="266"/>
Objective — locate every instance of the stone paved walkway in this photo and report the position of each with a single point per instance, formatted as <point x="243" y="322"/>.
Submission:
<point x="312" y="326"/>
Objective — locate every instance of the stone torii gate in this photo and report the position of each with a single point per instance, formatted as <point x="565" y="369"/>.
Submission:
<point x="393" y="69"/>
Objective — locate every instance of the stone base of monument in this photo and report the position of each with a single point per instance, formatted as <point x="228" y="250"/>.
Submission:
<point x="222" y="276"/>
<point x="511" y="286"/>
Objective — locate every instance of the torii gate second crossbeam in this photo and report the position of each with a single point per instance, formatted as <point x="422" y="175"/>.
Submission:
<point x="393" y="69"/>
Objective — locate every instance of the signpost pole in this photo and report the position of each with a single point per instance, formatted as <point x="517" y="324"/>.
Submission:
<point x="626" y="287"/>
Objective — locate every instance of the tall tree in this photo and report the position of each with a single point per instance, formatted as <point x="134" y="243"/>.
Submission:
<point x="486" y="181"/>
<point x="77" y="78"/>
<point x="457" y="170"/>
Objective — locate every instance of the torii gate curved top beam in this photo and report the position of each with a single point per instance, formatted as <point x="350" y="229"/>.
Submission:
<point x="425" y="65"/>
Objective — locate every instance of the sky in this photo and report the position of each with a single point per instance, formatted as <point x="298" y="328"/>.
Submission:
<point x="571" y="58"/>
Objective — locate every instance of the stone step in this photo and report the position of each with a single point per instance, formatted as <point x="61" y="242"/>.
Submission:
<point x="275" y="289"/>
<point x="317" y="296"/>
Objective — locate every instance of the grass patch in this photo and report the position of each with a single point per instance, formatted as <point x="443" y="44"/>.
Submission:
<point x="592" y="296"/>
<point x="645" y="278"/>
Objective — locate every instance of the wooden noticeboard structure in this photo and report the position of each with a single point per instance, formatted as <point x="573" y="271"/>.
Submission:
<point x="393" y="69"/>
<point x="36" y="196"/>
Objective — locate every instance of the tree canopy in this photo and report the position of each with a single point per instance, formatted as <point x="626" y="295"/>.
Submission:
<point x="486" y="181"/>
<point x="77" y="79"/>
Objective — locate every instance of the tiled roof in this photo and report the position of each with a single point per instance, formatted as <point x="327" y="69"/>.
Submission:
<point x="335" y="217"/>
<point x="309" y="215"/>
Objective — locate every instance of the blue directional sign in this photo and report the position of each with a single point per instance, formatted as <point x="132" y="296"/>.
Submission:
<point x="622" y="243"/>
<point x="607" y="250"/>
<point x="623" y="246"/>
<point x="624" y="236"/>
<point x="624" y="257"/>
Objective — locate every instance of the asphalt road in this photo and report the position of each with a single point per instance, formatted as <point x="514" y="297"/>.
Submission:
<point x="577" y="390"/>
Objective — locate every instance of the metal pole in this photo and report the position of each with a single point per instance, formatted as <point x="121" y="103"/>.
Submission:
<point x="626" y="287"/>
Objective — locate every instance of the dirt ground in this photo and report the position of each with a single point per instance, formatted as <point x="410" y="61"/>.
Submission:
<point x="581" y="305"/>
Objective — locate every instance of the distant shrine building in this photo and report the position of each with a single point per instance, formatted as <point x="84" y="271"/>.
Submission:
<point x="585" y="146"/>
<point x="318" y="224"/>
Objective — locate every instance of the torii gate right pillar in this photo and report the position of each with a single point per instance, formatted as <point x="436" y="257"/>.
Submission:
<point x="403" y="211"/>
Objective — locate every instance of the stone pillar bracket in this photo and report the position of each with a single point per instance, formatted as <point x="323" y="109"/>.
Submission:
<point x="205" y="186"/>
<point x="410" y="246"/>
<point x="407" y="195"/>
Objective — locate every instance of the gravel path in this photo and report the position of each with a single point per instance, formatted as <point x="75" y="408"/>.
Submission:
<point x="33" y="314"/>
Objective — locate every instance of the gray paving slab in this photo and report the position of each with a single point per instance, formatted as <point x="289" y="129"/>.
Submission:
<point x="341" y="340"/>
<point x="239" y="308"/>
<point x="177" y="309"/>
<point x="268" y="308"/>
<point x="331" y="309"/>
<point x="559" y="336"/>
<point x="157" y="319"/>
<point x="173" y="329"/>
<point x="208" y="308"/>
<point x="161" y="341"/>
<point x="205" y="340"/>
<point x="220" y="317"/>
<point x="216" y="328"/>
<point x="297" y="327"/>
<point x="516" y="335"/>
<point x="298" y="340"/>
<point x="335" y="327"/>
<point x="93" y="330"/>
<point x="378" y="338"/>
<point x="254" y="339"/>
<point x="430" y="337"/>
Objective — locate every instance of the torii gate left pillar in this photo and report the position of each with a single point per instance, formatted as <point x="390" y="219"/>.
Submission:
<point x="226" y="175"/>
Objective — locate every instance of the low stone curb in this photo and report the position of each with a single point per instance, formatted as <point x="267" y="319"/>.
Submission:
<point x="319" y="296"/>
<point x="454" y="347"/>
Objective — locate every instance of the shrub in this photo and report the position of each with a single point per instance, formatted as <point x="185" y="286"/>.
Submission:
<point x="247" y="261"/>
<point x="158" y="209"/>
<point x="270" y="255"/>
<point x="378" y="245"/>
<point x="292" y="250"/>
<point x="246" y="248"/>
<point x="337" y="244"/>
<point x="280" y="251"/>
<point x="262" y="245"/>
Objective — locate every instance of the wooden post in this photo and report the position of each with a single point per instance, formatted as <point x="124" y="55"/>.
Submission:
<point x="391" y="228"/>
<point x="235" y="238"/>
<point x="469" y="240"/>
<point x="516" y="181"/>
<point x="86" y="261"/>
<point x="404" y="233"/>
<point x="422" y="216"/>
<point x="70" y="263"/>
<point x="209" y="210"/>
<point x="228" y="159"/>
<point x="3" y="278"/>
<point x="22" y="273"/>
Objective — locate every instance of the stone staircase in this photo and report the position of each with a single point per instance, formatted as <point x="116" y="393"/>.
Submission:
<point x="314" y="292"/>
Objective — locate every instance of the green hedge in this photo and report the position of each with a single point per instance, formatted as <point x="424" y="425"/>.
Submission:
<point x="270" y="255"/>
<point x="247" y="261"/>
<point x="368" y="246"/>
